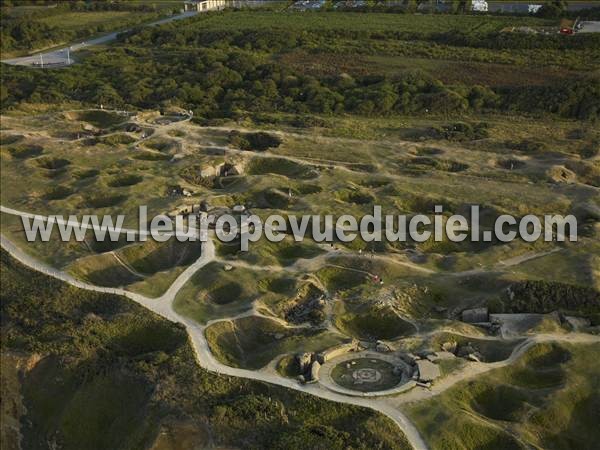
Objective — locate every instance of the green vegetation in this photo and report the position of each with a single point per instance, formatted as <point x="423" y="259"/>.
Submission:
<point x="148" y="267"/>
<point x="547" y="399"/>
<point x="316" y="113"/>
<point x="29" y="29"/>
<point x="281" y="166"/>
<point x="265" y="253"/>
<point x="98" y="361"/>
<point x="124" y="180"/>
<point x="374" y="324"/>
<point x="257" y="142"/>
<point x="46" y="162"/>
<point x="97" y="118"/>
<point x="103" y="270"/>
<point x="58" y="193"/>
<point x="212" y="292"/>
<point x="245" y="62"/>
<point x="288" y="367"/>
<point x="152" y="256"/>
<point x="25" y="151"/>
<point x="544" y="297"/>
<point x="252" y="342"/>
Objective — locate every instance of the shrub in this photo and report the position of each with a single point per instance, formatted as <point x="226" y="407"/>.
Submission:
<point x="260" y="141"/>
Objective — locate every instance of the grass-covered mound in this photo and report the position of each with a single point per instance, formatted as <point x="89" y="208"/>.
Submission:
<point x="274" y="198"/>
<point x="355" y="197"/>
<point x="104" y="245"/>
<point x="252" y="342"/>
<point x="117" y="139"/>
<point x="103" y="270"/>
<point x="124" y="180"/>
<point x="148" y="268"/>
<point x="97" y="118"/>
<point x="58" y="192"/>
<point x="259" y="141"/>
<point x="548" y="398"/>
<point x="104" y="363"/>
<point x="24" y="151"/>
<point x="288" y="366"/>
<point x="374" y="324"/>
<point x="340" y="278"/>
<point x="263" y="252"/>
<point x="281" y="166"/>
<point x="50" y="163"/>
<point x="102" y="199"/>
<point x="426" y="163"/>
<point x="213" y="292"/>
<point x="8" y="139"/>
<point x="143" y="155"/>
<point x="86" y="174"/>
<point x="160" y="144"/>
<point x="152" y="256"/>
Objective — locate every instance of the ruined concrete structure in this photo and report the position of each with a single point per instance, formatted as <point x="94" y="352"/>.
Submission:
<point x="476" y="315"/>
<point x="314" y="371"/>
<point x="428" y="371"/>
<point x="304" y="360"/>
<point x="342" y="349"/>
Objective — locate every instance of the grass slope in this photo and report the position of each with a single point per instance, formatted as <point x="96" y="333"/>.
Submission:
<point x="548" y="399"/>
<point x="101" y="372"/>
<point x="252" y="342"/>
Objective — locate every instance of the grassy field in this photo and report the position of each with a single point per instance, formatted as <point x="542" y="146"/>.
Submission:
<point x="351" y="21"/>
<point x="78" y="21"/>
<point x="252" y="342"/>
<point x="374" y="325"/>
<point x="213" y="292"/>
<point x="61" y="25"/>
<point x="547" y="399"/>
<point x="353" y="163"/>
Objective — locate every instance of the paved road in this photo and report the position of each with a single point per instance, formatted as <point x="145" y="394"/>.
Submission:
<point x="60" y="57"/>
<point x="590" y="27"/>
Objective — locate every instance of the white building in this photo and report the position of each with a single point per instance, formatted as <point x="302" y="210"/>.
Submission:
<point x="204" y="5"/>
<point x="480" y="6"/>
<point x="533" y="9"/>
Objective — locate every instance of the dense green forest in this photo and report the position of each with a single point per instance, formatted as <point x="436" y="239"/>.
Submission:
<point x="110" y="373"/>
<point x="204" y="65"/>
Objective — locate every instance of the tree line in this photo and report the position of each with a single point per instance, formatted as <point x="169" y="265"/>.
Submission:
<point x="230" y="74"/>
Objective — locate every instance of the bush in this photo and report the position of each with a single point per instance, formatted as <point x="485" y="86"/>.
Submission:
<point x="544" y="297"/>
<point x="461" y="131"/>
<point x="260" y="141"/>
